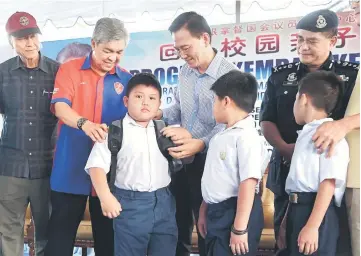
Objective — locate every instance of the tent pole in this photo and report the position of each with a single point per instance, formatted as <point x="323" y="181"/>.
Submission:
<point x="238" y="11"/>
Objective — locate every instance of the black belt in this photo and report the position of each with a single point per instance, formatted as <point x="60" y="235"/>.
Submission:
<point x="302" y="198"/>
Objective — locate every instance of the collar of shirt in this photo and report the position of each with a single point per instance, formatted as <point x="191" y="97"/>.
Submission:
<point x="314" y="124"/>
<point x="130" y="120"/>
<point x="327" y="65"/>
<point x="87" y="65"/>
<point x="20" y="64"/>
<point x="213" y="67"/>
<point x="247" y="122"/>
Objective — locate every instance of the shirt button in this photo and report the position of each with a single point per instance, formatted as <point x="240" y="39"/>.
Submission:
<point x="31" y="77"/>
<point x="31" y="107"/>
<point x="30" y="154"/>
<point x="31" y="92"/>
<point x="285" y="92"/>
<point x="29" y="139"/>
<point x="31" y="123"/>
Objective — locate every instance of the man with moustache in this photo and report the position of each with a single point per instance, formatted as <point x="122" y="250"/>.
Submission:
<point x="26" y="151"/>
<point x="317" y="35"/>
<point x="88" y="96"/>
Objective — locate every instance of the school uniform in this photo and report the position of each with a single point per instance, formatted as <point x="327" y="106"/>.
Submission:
<point x="308" y="169"/>
<point x="146" y="224"/>
<point x="234" y="155"/>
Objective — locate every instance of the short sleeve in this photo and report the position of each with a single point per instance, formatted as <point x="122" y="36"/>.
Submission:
<point x="63" y="88"/>
<point x="269" y="105"/>
<point x="335" y="167"/>
<point x="100" y="157"/>
<point x="251" y="157"/>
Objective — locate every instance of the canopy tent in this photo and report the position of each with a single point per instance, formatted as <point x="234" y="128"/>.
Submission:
<point x="66" y="19"/>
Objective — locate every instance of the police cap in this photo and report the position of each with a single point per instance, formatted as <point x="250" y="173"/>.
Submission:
<point x="318" y="21"/>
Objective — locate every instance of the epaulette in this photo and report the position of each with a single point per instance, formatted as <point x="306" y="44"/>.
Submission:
<point x="285" y="67"/>
<point x="346" y="64"/>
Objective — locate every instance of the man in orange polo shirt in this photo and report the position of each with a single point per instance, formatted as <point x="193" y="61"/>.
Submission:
<point x="87" y="97"/>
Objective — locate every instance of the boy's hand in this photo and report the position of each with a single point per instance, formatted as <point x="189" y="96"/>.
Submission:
<point x="239" y="244"/>
<point x="308" y="240"/>
<point x="176" y="133"/>
<point x="202" y="220"/>
<point x="111" y="207"/>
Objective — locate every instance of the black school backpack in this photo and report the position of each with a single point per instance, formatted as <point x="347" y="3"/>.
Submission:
<point x="115" y="139"/>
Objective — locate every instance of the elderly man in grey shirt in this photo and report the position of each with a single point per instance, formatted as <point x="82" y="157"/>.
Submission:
<point x="193" y="110"/>
<point x="26" y="151"/>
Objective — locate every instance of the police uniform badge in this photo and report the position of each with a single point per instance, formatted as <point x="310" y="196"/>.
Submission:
<point x="222" y="155"/>
<point x="321" y="22"/>
<point x="292" y="77"/>
<point x="118" y="87"/>
<point x="291" y="80"/>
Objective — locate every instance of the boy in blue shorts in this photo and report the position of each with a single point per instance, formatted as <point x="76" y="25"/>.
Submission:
<point x="316" y="182"/>
<point x="231" y="215"/>
<point x="142" y="205"/>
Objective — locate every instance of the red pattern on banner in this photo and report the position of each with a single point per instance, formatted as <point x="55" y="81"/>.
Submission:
<point x="224" y="31"/>
<point x="293" y="40"/>
<point x="267" y="43"/>
<point x="236" y="45"/>
<point x="251" y="27"/>
<point x="237" y="29"/>
<point x="343" y="35"/>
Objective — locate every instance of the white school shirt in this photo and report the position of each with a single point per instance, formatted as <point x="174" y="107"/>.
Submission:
<point x="140" y="166"/>
<point x="308" y="168"/>
<point x="234" y="155"/>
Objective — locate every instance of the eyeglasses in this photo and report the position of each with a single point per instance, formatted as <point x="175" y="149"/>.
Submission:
<point x="183" y="51"/>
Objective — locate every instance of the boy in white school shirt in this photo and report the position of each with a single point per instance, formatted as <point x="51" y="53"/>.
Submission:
<point x="231" y="215"/>
<point x="142" y="205"/>
<point x="316" y="182"/>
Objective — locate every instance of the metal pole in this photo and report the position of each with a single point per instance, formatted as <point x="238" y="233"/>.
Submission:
<point x="238" y="11"/>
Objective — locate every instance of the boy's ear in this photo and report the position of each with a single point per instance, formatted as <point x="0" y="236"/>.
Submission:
<point x="304" y="99"/>
<point x="227" y="101"/>
<point x="125" y="100"/>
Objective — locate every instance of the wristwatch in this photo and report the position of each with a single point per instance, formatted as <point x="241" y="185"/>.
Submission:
<point x="81" y="121"/>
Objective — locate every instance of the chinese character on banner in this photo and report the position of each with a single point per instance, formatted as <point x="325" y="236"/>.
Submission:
<point x="224" y="31"/>
<point x="251" y="28"/>
<point x="267" y="43"/>
<point x="343" y="35"/>
<point x="236" y="45"/>
<point x="292" y="23"/>
<point x="214" y="31"/>
<point x="294" y="38"/>
<point x="265" y="27"/>
<point x="278" y="25"/>
<point x="237" y="29"/>
<point x="351" y="18"/>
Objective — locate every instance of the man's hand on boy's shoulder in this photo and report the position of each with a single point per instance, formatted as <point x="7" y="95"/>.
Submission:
<point x="97" y="132"/>
<point x="187" y="148"/>
<point x="176" y="134"/>
<point x="111" y="207"/>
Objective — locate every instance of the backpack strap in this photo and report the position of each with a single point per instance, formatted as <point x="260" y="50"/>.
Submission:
<point x="115" y="139"/>
<point x="164" y="143"/>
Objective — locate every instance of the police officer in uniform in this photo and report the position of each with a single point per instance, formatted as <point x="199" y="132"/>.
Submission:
<point x="317" y="35"/>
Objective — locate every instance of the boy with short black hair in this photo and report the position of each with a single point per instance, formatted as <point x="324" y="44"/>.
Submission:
<point x="316" y="182"/>
<point x="231" y="215"/>
<point x="142" y="205"/>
